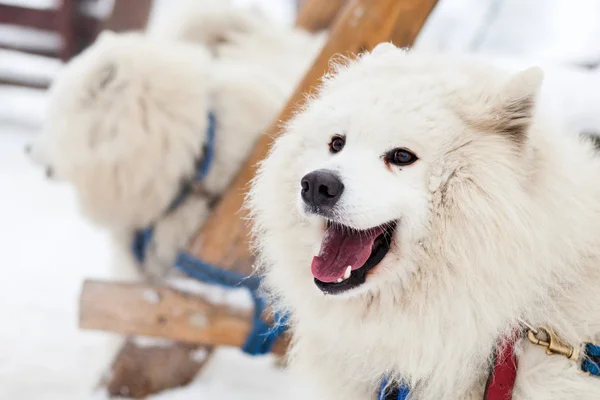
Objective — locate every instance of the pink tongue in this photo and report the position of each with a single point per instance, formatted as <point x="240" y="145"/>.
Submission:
<point x="340" y="249"/>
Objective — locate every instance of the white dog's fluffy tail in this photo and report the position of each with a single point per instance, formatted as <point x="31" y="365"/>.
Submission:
<point x="210" y="22"/>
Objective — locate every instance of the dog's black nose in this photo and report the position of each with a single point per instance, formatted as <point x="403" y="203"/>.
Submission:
<point x="321" y="188"/>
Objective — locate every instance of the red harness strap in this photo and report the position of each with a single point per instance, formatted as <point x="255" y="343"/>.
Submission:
<point x="502" y="378"/>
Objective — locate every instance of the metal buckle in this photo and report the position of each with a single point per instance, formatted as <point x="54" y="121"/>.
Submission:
<point x="553" y="344"/>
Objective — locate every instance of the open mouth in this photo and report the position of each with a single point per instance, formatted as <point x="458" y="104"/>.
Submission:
<point x="347" y="255"/>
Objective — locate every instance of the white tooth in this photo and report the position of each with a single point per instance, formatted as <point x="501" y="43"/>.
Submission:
<point x="340" y="280"/>
<point x="348" y="272"/>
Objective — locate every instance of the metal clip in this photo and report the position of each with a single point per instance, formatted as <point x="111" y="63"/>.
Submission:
<point x="553" y="344"/>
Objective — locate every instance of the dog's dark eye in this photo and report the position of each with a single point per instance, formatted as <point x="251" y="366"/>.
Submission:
<point x="337" y="144"/>
<point x="401" y="157"/>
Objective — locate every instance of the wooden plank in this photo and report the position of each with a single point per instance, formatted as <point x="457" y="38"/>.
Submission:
<point x="410" y="20"/>
<point x="66" y="26"/>
<point x="128" y="15"/>
<point x="150" y="310"/>
<point x="142" y="369"/>
<point x="317" y="15"/>
<point x="223" y="240"/>
<point x="43" y="19"/>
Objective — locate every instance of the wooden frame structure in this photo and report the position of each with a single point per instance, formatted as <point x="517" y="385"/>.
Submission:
<point x="356" y="26"/>
<point x="75" y="30"/>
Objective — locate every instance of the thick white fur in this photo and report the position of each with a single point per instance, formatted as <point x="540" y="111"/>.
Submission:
<point x="499" y="220"/>
<point x="128" y="117"/>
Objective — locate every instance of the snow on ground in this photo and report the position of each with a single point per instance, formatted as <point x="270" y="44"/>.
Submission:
<point x="231" y="375"/>
<point x="558" y="30"/>
<point x="48" y="249"/>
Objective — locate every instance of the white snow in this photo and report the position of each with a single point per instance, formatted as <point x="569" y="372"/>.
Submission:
<point x="239" y="298"/>
<point x="147" y="341"/>
<point x="231" y="375"/>
<point x="198" y="356"/>
<point x="48" y="248"/>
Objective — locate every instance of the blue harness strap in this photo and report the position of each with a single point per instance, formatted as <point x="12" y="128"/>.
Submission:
<point x="591" y="360"/>
<point x="263" y="335"/>
<point x="386" y="392"/>
<point x="140" y="244"/>
<point x="209" y="147"/>
<point x="206" y="163"/>
<point x="208" y="273"/>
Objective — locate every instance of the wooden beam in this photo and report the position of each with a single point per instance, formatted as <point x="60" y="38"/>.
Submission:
<point x="410" y="20"/>
<point x="150" y="310"/>
<point x="44" y="19"/>
<point x="317" y="15"/>
<point x="66" y="26"/>
<point x="223" y="239"/>
<point x="75" y="29"/>
<point x="142" y="368"/>
<point x="129" y="15"/>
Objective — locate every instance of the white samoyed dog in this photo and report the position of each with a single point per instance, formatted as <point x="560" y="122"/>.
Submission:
<point x="418" y="211"/>
<point x="128" y="118"/>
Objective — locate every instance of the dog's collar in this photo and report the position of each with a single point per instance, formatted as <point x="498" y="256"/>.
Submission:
<point x="503" y="373"/>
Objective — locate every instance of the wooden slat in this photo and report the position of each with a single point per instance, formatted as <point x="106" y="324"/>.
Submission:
<point x="128" y="15"/>
<point x="31" y="17"/>
<point x="317" y="15"/>
<point x="66" y="26"/>
<point x="76" y="30"/>
<point x="411" y="19"/>
<point x="142" y="370"/>
<point x="223" y="240"/>
<point x="148" y="310"/>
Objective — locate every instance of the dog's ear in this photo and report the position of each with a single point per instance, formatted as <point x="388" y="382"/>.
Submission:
<point x="515" y="104"/>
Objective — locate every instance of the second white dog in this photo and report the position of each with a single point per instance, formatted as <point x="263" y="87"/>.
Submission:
<point x="128" y="119"/>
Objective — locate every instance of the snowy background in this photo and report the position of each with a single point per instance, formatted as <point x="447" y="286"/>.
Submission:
<point x="47" y="249"/>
